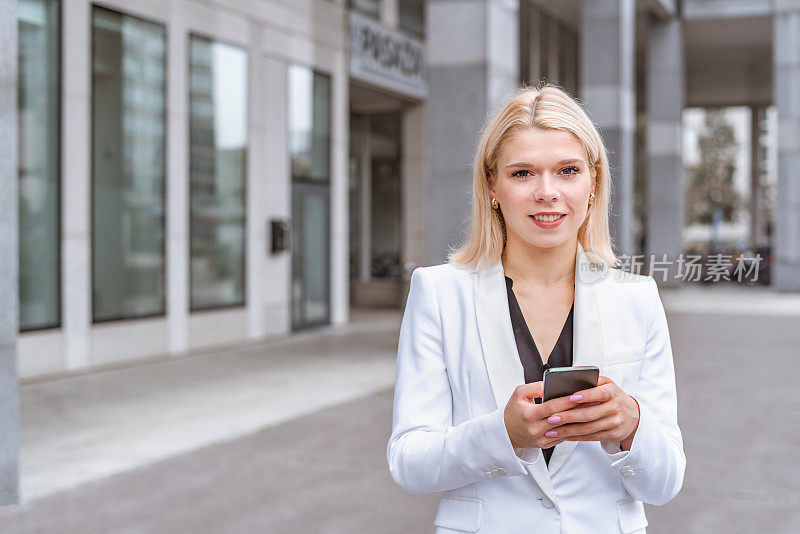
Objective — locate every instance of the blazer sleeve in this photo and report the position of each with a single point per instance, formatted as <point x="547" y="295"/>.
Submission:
<point x="426" y="453"/>
<point x="652" y="470"/>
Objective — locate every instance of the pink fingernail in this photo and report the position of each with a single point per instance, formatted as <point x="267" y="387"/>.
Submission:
<point x="553" y="419"/>
<point x="550" y="433"/>
<point x="576" y="397"/>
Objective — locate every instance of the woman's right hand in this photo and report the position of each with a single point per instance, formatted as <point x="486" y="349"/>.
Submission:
<point x="526" y="421"/>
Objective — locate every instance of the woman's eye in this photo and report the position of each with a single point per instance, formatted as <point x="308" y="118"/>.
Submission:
<point x="518" y="175"/>
<point x="575" y="170"/>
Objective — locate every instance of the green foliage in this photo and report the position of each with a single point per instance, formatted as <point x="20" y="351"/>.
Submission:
<point x="711" y="179"/>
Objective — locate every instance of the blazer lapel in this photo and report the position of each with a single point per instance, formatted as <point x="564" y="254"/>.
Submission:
<point x="496" y="333"/>
<point x="502" y="358"/>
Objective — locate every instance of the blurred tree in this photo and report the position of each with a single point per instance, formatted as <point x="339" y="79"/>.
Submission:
<point x="711" y="179"/>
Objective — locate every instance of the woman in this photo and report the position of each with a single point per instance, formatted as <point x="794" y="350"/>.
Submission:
<point x="534" y="285"/>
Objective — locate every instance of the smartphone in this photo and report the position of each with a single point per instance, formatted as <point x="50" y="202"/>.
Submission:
<point x="564" y="381"/>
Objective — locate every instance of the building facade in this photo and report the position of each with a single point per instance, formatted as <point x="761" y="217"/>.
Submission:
<point x="187" y="177"/>
<point x="183" y="176"/>
<point x="195" y="173"/>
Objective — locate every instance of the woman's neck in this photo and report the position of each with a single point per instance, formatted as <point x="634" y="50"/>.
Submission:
<point x="538" y="266"/>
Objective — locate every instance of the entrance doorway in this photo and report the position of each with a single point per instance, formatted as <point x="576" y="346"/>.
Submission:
<point x="376" y="199"/>
<point x="310" y="148"/>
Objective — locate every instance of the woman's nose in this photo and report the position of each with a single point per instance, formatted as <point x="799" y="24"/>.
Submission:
<point x="546" y="189"/>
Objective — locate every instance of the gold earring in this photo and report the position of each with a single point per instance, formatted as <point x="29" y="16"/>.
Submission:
<point x="591" y="198"/>
<point x="495" y="204"/>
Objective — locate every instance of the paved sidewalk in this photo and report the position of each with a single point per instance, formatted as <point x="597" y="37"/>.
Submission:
<point x="731" y="300"/>
<point x="83" y="428"/>
<point x="322" y="473"/>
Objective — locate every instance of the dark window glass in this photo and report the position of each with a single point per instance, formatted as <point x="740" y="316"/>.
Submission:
<point x="386" y="191"/>
<point x="548" y="49"/>
<point x="218" y="162"/>
<point x="39" y="125"/>
<point x="128" y="167"/>
<point x="412" y="16"/>
<point x="368" y="7"/>
<point x="530" y="43"/>
<point x="310" y="148"/>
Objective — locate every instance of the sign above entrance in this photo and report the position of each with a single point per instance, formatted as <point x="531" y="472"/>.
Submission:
<point x="386" y="58"/>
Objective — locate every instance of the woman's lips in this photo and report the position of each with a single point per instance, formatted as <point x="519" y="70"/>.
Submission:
<point x="553" y="224"/>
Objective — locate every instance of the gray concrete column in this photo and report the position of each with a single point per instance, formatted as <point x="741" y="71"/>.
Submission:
<point x="665" y="84"/>
<point x="786" y="59"/>
<point x="607" y="88"/>
<point x="473" y="66"/>
<point x="9" y="257"/>
<point x="414" y="166"/>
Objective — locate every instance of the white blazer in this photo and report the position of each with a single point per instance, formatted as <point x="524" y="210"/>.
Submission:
<point x="457" y="366"/>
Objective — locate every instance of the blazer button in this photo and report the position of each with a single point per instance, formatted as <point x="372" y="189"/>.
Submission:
<point x="627" y="471"/>
<point x="500" y="472"/>
<point x="489" y="475"/>
<point x="547" y="503"/>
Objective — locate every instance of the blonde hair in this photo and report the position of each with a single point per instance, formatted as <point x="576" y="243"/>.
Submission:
<point x="547" y="107"/>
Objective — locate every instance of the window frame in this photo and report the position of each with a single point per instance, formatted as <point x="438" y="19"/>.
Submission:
<point x="164" y="146"/>
<point x="58" y="162"/>
<point x="245" y="190"/>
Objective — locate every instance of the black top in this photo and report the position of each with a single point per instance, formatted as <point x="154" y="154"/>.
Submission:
<point x="561" y="355"/>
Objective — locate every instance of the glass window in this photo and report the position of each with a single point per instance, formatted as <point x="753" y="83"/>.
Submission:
<point x="568" y="62"/>
<point x="412" y="16"/>
<point x="128" y="137"/>
<point x="530" y="44"/>
<point x="368" y="7"/>
<point x="310" y="147"/>
<point x="548" y="49"/>
<point x="218" y="162"/>
<point x="39" y="124"/>
<point x="545" y="47"/>
<point x="309" y="124"/>
<point x="728" y="199"/>
<point x="386" y="190"/>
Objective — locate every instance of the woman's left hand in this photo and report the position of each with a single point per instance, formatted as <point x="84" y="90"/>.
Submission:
<point x="603" y="413"/>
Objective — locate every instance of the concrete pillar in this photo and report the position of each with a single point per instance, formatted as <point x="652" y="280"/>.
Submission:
<point x="76" y="183"/>
<point x="665" y="84"/>
<point x="340" y="193"/>
<point x="9" y="274"/>
<point x="468" y="79"/>
<point x="786" y="59"/>
<point x="278" y="202"/>
<point x="608" y="89"/>
<point x="414" y="166"/>
<point x="177" y="194"/>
